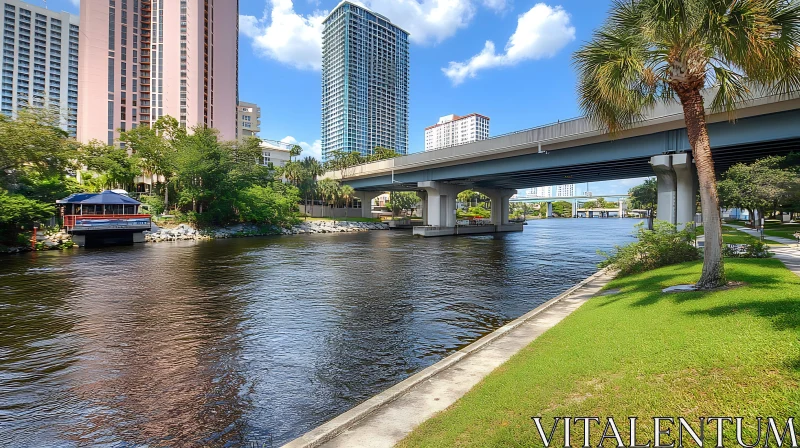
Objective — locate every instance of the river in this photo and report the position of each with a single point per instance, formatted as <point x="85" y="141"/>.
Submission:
<point x="229" y="342"/>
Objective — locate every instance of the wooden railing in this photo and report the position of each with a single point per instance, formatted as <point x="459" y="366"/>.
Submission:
<point x="70" y="220"/>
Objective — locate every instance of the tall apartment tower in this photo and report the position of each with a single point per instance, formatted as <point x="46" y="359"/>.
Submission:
<point x="452" y="130"/>
<point x="40" y="61"/>
<point x="365" y="79"/>
<point x="144" y="59"/>
<point x="248" y="120"/>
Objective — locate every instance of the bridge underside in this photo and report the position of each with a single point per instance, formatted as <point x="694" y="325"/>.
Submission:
<point x="743" y="141"/>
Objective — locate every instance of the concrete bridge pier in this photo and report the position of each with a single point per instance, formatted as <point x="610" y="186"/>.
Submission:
<point x="440" y="211"/>
<point x="549" y="209"/>
<point x="501" y="205"/>
<point x="440" y="207"/>
<point x="423" y="199"/>
<point x="686" y="188"/>
<point x="677" y="188"/>
<point x="366" y="198"/>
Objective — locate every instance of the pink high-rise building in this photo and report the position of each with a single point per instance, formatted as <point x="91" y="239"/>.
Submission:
<point x="144" y="59"/>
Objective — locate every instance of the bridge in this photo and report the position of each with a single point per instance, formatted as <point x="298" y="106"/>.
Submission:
<point x="577" y="151"/>
<point x="575" y="200"/>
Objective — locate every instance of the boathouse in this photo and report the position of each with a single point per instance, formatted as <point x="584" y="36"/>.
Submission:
<point x="96" y="219"/>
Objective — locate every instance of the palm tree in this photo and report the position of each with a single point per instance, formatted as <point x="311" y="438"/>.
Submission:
<point x="666" y="49"/>
<point x="347" y="192"/>
<point x="329" y="189"/>
<point x="313" y="168"/>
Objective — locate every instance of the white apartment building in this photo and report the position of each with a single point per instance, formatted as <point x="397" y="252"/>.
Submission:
<point x="275" y="153"/>
<point x="452" y="130"/>
<point x="563" y="191"/>
<point x="40" y="61"/>
<point x="540" y="192"/>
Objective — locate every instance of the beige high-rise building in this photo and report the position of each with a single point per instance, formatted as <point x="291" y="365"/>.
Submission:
<point x="144" y="59"/>
<point x="248" y="120"/>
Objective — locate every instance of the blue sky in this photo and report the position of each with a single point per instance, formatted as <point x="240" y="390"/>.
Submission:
<point x="507" y="59"/>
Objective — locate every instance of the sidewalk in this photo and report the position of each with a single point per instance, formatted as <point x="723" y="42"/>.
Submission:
<point x="756" y="234"/>
<point x="388" y="417"/>
<point x="789" y="255"/>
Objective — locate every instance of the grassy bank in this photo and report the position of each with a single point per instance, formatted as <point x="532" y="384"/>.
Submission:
<point x="733" y="236"/>
<point x="643" y="353"/>
<point x="776" y="228"/>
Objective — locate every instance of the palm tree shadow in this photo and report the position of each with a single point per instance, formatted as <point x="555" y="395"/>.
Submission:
<point x="784" y="314"/>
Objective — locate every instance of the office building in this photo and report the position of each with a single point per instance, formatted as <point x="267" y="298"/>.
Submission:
<point x="248" y="120"/>
<point x="40" y="61"/>
<point x="452" y="130"/>
<point x="365" y="80"/>
<point x="144" y="59"/>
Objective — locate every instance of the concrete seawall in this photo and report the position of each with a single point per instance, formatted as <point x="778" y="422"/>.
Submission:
<point x="388" y="417"/>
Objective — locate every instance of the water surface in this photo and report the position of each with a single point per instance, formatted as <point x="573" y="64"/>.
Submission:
<point x="226" y="342"/>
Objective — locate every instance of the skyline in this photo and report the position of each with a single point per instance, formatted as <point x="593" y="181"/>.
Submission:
<point x="526" y="81"/>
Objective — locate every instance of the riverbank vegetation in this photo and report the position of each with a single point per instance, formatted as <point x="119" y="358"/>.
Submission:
<point x="663" y="246"/>
<point x="640" y="352"/>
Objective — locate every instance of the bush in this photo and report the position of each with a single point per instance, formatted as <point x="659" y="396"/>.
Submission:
<point x="662" y="246"/>
<point x="755" y="250"/>
<point x="155" y="204"/>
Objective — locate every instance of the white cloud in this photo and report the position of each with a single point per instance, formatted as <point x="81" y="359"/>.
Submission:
<point x="541" y="33"/>
<point x="313" y="149"/>
<point x="77" y="3"/>
<point x="427" y="21"/>
<point x="296" y="39"/>
<point x="286" y="36"/>
<point x="496" y="5"/>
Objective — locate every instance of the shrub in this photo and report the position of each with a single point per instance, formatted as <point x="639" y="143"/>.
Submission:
<point x="662" y="246"/>
<point x="754" y="250"/>
<point x="155" y="204"/>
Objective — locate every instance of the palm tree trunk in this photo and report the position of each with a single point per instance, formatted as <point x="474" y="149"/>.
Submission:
<point x="713" y="275"/>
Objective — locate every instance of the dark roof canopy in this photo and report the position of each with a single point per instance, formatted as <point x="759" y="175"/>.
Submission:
<point x="107" y="197"/>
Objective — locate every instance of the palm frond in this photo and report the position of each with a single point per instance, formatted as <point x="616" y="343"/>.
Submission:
<point x="732" y="89"/>
<point x="616" y="80"/>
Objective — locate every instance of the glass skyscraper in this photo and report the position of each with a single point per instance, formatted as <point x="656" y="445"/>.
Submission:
<point x="364" y="82"/>
<point x="40" y="61"/>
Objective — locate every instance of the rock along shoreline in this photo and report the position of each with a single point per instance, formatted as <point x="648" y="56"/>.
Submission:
<point x="184" y="232"/>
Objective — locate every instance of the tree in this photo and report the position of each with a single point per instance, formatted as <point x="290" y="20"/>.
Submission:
<point x="347" y="192"/>
<point x="562" y="209"/>
<point x="118" y="168"/>
<point x="156" y="148"/>
<point x="662" y="49"/>
<point x="645" y="197"/>
<point x="33" y="142"/>
<point x="380" y="153"/>
<point x="295" y="152"/>
<point x="401" y="201"/>
<point x="761" y="186"/>
<point x="329" y="190"/>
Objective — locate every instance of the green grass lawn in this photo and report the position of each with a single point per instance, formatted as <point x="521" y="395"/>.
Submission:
<point x="776" y="228"/>
<point x="733" y="236"/>
<point x="643" y="353"/>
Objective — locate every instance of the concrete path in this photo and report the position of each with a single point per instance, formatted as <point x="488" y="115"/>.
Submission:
<point x="387" y="418"/>
<point x="789" y="255"/>
<point x="756" y="234"/>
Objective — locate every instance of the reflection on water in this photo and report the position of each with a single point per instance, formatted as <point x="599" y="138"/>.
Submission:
<point x="224" y="342"/>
